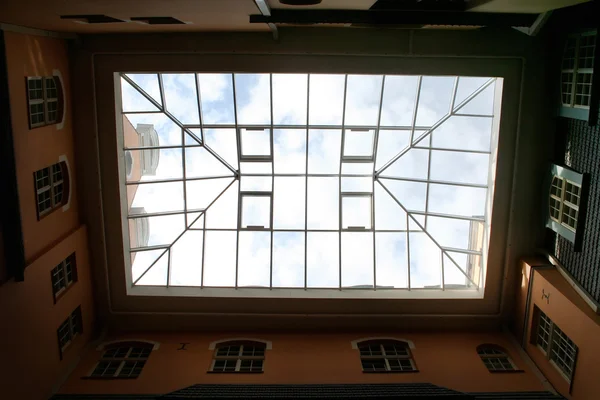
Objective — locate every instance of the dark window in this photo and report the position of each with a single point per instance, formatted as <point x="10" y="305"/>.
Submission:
<point x="69" y="329"/>
<point x="51" y="188"/>
<point x="386" y="356"/>
<point x="44" y="95"/>
<point x="63" y="275"/>
<point x="495" y="358"/>
<point x="122" y="360"/>
<point x="555" y="344"/>
<point x="239" y="357"/>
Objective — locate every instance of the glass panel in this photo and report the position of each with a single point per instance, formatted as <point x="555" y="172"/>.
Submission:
<point x="290" y="99"/>
<point x="324" y="147"/>
<point x="389" y="144"/>
<point x="482" y="104"/>
<point x="253" y="97"/>
<point x="201" y="193"/>
<point x="186" y="260"/>
<point x="148" y="83"/>
<point x="425" y="262"/>
<point x="465" y="133"/>
<point x="168" y="166"/>
<point x="358" y="143"/>
<point x="466" y="86"/>
<point x="181" y="98"/>
<point x="216" y="93"/>
<point x="289" y="147"/>
<point x="363" y="168"/>
<point x="323" y="203"/>
<point x="413" y="164"/>
<point x="255" y="142"/>
<point x="357" y="260"/>
<point x="362" y="99"/>
<point x="459" y="167"/>
<point x="434" y="99"/>
<point x="156" y="197"/>
<point x="399" y="97"/>
<point x="200" y="163"/>
<point x="456" y="233"/>
<point x="357" y="184"/>
<point x="131" y="99"/>
<point x="145" y="130"/>
<point x="454" y="263"/>
<point x="356" y="212"/>
<point x="223" y="212"/>
<point x="457" y="200"/>
<point x="288" y="259"/>
<point x="323" y="259"/>
<point x="256" y="211"/>
<point x="410" y="194"/>
<point x="388" y="214"/>
<point x="219" y="258"/>
<point x="254" y="259"/>
<point x="288" y="202"/>
<point x="224" y="143"/>
<point x="141" y="261"/>
<point x="256" y="167"/>
<point x="256" y="183"/>
<point x="163" y="229"/>
<point x="326" y="100"/>
<point x="157" y="275"/>
<point x="392" y="261"/>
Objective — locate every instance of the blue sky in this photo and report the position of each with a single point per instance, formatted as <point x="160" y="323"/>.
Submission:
<point x="325" y="106"/>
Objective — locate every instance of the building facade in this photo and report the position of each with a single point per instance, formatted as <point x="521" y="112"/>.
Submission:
<point x="76" y="325"/>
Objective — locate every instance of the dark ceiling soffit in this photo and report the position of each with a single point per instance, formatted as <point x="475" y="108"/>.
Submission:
<point x="422" y="5"/>
<point x="387" y="17"/>
<point x="12" y="231"/>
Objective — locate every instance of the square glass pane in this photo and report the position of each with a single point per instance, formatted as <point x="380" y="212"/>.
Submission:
<point x="253" y="98"/>
<point x="288" y="259"/>
<point x="357" y="260"/>
<point x="356" y="212"/>
<point x="323" y="262"/>
<point x="288" y="203"/>
<point x="289" y="148"/>
<point x="256" y="211"/>
<point x="326" y="102"/>
<point x="216" y="95"/>
<point x="290" y="99"/>
<point x="219" y="258"/>
<point x="255" y="142"/>
<point x="358" y="143"/>
<point x="254" y="259"/>
<point x="323" y="203"/>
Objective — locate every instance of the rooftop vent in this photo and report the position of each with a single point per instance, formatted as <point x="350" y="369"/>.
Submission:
<point x="158" y="20"/>
<point x="91" y="19"/>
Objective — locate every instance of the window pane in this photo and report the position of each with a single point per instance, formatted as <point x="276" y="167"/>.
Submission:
<point x="289" y="147"/>
<point x="216" y="93"/>
<point x="290" y="99"/>
<point x="323" y="259"/>
<point x="253" y="97"/>
<point x="326" y="99"/>
<point x="323" y="203"/>
<point x="356" y="212"/>
<point x="288" y="259"/>
<point x="255" y="142"/>
<point x="254" y="259"/>
<point x="358" y="143"/>
<point x="363" y="94"/>
<point x="357" y="260"/>
<point x="256" y="211"/>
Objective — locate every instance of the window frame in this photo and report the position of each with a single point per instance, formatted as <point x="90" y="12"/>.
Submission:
<point x="122" y="360"/>
<point x="589" y="112"/>
<point x="61" y="269"/>
<point x="385" y="357"/>
<point x="358" y="158"/>
<point x="250" y="194"/>
<point x="45" y="100"/>
<point x="52" y="184"/>
<point x="255" y="157"/>
<point x="548" y="348"/>
<point x="349" y="228"/>
<point x="497" y="353"/>
<point x="567" y="176"/>
<point x="239" y="358"/>
<point x="74" y="323"/>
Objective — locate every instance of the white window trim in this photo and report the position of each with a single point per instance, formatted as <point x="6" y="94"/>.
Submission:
<point x="575" y="71"/>
<point x="548" y="351"/>
<point x="50" y="187"/>
<point x="386" y="358"/>
<point x="238" y="358"/>
<point x="45" y="100"/>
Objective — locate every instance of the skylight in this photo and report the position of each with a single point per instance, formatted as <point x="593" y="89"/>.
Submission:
<point x="308" y="183"/>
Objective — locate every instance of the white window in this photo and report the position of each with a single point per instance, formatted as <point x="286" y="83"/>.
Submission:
<point x="358" y="145"/>
<point x="239" y="357"/>
<point x="357" y="209"/>
<point x="50" y="188"/>
<point x="122" y="360"/>
<point x="556" y="345"/>
<point x="495" y="358"/>
<point x="70" y="328"/>
<point x="255" y="144"/>
<point x="385" y="356"/>
<point x="566" y="203"/>
<point x="43" y="95"/>
<point x="256" y="210"/>
<point x="63" y="275"/>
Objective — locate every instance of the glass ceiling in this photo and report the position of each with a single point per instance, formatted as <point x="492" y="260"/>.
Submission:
<point x="345" y="182"/>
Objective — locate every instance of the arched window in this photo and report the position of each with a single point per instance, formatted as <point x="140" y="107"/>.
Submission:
<point x="124" y="360"/>
<point x="495" y="358"/>
<point x="386" y="356"/>
<point x="239" y="356"/>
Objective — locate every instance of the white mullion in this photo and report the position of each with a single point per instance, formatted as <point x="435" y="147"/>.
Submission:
<point x="118" y="371"/>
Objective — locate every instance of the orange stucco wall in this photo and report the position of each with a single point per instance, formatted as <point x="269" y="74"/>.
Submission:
<point x="39" y="147"/>
<point x="575" y="318"/>
<point x="447" y="359"/>
<point x="31" y="364"/>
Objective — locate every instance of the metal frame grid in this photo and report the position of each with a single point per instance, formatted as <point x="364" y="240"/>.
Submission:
<point x="238" y="357"/>
<point x="121" y="362"/>
<point x="556" y="345"/>
<point x="387" y="356"/>
<point x="577" y="70"/>
<point x="411" y="218"/>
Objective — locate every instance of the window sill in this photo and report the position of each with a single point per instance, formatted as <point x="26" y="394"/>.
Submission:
<point x="510" y="371"/>
<point x="390" y="372"/>
<point x="235" y="372"/>
<point x="108" y="378"/>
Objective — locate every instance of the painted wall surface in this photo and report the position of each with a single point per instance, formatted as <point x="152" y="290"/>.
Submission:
<point x="39" y="147"/>
<point x="577" y="320"/>
<point x="446" y="359"/>
<point x="31" y="364"/>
